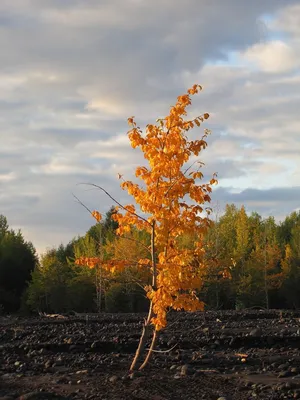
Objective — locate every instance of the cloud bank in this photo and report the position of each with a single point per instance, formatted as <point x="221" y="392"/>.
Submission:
<point x="71" y="72"/>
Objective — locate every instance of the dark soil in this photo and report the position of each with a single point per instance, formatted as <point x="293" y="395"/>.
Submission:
<point x="217" y="355"/>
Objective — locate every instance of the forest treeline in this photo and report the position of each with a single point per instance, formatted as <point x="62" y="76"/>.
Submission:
<point x="249" y="261"/>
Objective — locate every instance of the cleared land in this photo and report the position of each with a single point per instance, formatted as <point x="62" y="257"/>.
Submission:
<point x="233" y="355"/>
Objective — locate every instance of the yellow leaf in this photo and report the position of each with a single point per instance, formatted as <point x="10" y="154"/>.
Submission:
<point x="97" y="216"/>
<point x="130" y="120"/>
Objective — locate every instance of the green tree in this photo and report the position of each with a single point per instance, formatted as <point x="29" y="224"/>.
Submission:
<point x="17" y="261"/>
<point x="129" y="282"/>
<point x="291" y="270"/>
<point x="91" y="245"/>
<point x="241" y="250"/>
<point x="3" y="226"/>
<point x="262" y="274"/>
<point x="217" y="291"/>
<point x="284" y="230"/>
<point x="48" y="288"/>
<point x="295" y="241"/>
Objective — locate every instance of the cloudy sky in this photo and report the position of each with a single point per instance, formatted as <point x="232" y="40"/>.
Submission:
<point x="72" y="71"/>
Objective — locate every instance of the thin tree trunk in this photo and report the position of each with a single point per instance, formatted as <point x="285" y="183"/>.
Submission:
<point x="150" y="351"/>
<point x="147" y="326"/>
<point x="266" y="274"/>
<point x="100" y="289"/>
<point x="143" y="340"/>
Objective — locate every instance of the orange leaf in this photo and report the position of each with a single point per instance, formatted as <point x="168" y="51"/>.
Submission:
<point x="97" y="216"/>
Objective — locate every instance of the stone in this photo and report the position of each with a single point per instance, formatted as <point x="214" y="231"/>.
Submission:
<point x="186" y="370"/>
<point x="113" y="379"/>
<point x="256" y="332"/>
<point x="284" y="374"/>
<point x="48" y="364"/>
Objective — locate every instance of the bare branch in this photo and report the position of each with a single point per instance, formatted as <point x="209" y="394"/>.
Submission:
<point x="122" y="237"/>
<point x="116" y="201"/>
<point x="164" y="351"/>
<point x="81" y="203"/>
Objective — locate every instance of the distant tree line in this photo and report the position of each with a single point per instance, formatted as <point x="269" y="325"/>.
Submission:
<point x="253" y="261"/>
<point x="249" y="261"/>
<point x="59" y="285"/>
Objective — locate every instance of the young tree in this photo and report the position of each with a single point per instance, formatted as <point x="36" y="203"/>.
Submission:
<point x="48" y="287"/>
<point x="173" y="204"/>
<point x="217" y="274"/>
<point x="91" y="246"/>
<point x="262" y="274"/>
<point x="227" y="235"/>
<point x="286" y="261"/>
<point x="57" y="285"/>
<point x="242" y="237"/>
<point x="241" y="252"/>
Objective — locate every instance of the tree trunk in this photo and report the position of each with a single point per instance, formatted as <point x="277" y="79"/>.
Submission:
<point x="143" y="340"/>
<point x="266" y="273"/>
<point x="147" y="326"/>
<point x="150" y="351"/>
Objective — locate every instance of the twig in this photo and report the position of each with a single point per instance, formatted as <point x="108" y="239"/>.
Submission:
<point x="164" y="351"/>
<point x="116" y="201"/>
<point x="83" y="205"/>
<point x="123" y="237"/>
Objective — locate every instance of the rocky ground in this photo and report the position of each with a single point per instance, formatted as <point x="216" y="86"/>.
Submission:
<point x="217" y="355"/>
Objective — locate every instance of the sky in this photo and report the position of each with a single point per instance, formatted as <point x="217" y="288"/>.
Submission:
<point x="73" y="71"/>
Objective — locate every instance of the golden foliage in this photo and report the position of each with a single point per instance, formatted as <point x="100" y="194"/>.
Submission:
<point x="174" y="200"/>
<point x="97" y="216"/>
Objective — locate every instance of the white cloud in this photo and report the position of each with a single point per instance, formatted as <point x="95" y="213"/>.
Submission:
<point x="274" y="56"/>
<point x="72" y="72"/>
<point x="106" y="107"/>
<point x="7" y="177"/>
<point x="287" y="20"/>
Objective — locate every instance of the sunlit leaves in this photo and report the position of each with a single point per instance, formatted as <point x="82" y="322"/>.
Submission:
<point x="97" y="216"/>
<point x="173" y="203"/>
<point x="166" y="180"/>
<point x="90" y="262"/>
<point x="195" y="89"/>
<point x="110" y="265"/>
